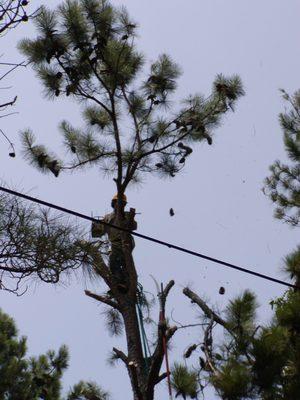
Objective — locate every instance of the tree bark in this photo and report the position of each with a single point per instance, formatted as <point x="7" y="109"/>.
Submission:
<point x="143" y="381"/>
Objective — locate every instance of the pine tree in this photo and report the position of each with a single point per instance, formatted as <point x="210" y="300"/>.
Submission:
<point x="283" y="186"/>
<point x="37" y="244"/>
<point x="86" y="50"/>
<point x="36" y="378"/>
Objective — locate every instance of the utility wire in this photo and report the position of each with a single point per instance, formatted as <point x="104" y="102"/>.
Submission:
<point x="149" y="238"/>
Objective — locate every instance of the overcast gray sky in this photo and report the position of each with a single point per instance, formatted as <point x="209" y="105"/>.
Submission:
<point x="219" y="207"/>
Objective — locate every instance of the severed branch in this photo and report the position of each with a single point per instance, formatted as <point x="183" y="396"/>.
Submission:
<point x="122" y="356"/>
<point x="166" y="292"/>
<point x="170" y="332"/>
<point x="131" y="367"/>
<point x="103" y="299"/>
<point x="161" y="378"/>
<point x="133" y="373"/>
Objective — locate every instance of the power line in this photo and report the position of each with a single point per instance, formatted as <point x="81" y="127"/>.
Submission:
<point x="149" y="238"/>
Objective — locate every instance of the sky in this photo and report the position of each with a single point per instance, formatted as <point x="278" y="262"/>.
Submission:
<point x="219" y="206"/>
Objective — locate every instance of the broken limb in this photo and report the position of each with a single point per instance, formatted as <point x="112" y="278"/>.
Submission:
<point x="103" y="299"/>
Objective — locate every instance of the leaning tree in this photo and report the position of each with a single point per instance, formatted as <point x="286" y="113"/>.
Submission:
<point x="86" y="50"/>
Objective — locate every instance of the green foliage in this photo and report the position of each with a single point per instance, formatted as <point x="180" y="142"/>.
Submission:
<point x="96" y="116"/>
<point x="270" y="348"/>
<point x="229" y="89"/>
<point x="84" y="144"/>
<point x="37" y="244"/>
<point x="22" y="378"/>
<point x="287" y="312"/>
<point x="86" y="49"/>
<point x="255" y="361"/>
<point x="113" y="322"/>
<point x="162" y="80"/>
<point x="184" y="381"/>
<point x="241" y="312"/>
<point x="240" y="318"/>
<point x="233" y="381"/>
<point x="39" y="377"/>
<point x="283" y="186"/>
<point x="292" y="265"/>
<point x="87" y="391"/>
<point x="39" y="156"/>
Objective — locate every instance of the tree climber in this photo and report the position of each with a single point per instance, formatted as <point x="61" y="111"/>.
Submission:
<point x="117" y="263"/>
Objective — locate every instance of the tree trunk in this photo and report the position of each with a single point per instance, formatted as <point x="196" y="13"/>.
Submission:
<point x="136" y="365"/>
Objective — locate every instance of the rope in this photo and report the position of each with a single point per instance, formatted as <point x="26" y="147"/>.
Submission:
<point x="162" y="319"/>
<point x="145" y="343"/>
